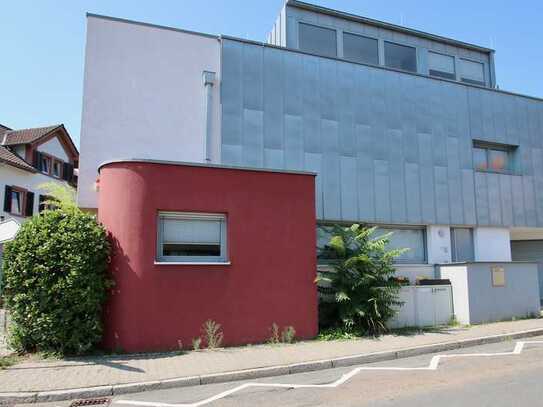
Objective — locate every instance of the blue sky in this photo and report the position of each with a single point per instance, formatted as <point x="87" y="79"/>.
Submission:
<point x="42" y="42"/>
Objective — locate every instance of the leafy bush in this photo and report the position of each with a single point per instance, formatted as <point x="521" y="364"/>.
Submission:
<point x="56" y="281"/>
<point x="365" y="292"/>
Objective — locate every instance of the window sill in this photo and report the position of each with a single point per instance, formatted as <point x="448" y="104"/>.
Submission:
<point x="196" y="263"/>
<point x="496" y="172"/>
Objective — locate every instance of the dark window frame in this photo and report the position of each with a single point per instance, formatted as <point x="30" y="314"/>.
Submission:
<point x="335" y="31"/>
<point x="487" y="146"/>
<point x="366" y="37"/>
<point x="442" y="74"/>
<point x="398" y="44"/>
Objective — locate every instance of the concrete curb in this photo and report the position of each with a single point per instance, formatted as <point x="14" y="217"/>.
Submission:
<point x="248" y="374"/>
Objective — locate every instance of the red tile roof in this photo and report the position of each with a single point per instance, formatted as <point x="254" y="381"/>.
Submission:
<point x="24" y="136"/>
<point x="9" y="157"/>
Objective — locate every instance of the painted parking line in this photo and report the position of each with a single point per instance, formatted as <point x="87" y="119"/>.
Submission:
<point x="433" y="365"/>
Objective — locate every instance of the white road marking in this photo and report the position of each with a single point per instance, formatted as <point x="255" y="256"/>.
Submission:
<point x="433" y="365"/>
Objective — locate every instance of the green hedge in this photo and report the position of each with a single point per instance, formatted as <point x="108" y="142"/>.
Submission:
<point x="56" y="282"/>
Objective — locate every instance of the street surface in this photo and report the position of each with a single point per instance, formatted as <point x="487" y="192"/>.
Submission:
<point x="511" y="378"/>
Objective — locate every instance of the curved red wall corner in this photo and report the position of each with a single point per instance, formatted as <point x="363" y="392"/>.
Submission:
<point x="271" y="229"/>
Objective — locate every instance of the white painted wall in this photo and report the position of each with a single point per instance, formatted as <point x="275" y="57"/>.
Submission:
<point x="438" y="243"/>
<point x="458" y="275"/>
<point x="492" y="244"/>
<point x="12" y="176"/>
<point x="54" y="148"/>
<point x="143" y="97"/>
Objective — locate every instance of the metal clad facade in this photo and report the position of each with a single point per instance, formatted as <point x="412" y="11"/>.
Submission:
<point x="388" y="147"/>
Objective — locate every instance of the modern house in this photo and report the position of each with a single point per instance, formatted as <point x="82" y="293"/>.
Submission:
<point x="28" y="159"/>
<point x="405" y="130"/>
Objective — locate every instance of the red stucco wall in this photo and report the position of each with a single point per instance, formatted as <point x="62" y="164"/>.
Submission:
<point x="271" y="245"/>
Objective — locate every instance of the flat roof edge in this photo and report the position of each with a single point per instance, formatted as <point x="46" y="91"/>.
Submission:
<point x="150" y="25"/>
<point x="202" y="165"/>
<point x="383" y="24"/>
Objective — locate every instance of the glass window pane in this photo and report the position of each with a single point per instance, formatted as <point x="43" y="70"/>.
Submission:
<point x="317" y="40"/>
<point x="441" y="65"/>
<point x="400" y="57"/>
<point x="16" y="204"/>
<point x="181" y="249"/>
<point x="472" y="72"/>
<point x="360" y="49"/>
<point x="479" y="159"/>
<point x="191" y="231"/>
<point x="497" y="160"/>
<point x="462" y="240"/>
<point x="412" y="239"/>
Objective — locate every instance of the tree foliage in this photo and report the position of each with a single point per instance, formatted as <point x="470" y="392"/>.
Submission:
<point x="365" y="292"/>
<point x="56" y="281"/>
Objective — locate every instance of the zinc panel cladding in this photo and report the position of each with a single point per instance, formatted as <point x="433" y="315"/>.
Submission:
<point x="388" y="147"/>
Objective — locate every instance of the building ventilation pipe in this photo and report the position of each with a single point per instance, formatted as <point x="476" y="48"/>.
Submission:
<point x="208" y="79"/>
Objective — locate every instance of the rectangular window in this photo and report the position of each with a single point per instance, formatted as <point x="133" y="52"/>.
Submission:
<point x="472" y="72"/>
<point x="357" y="48"/>
<point x="400" y="57"/>
<point x="402" y="238"/>
<point x="317" y="40"/>
<point x="462" y="244"/>
<point x="441" y="65"/>
<point x="191" y="238"/>
<point x="45" y="164"/>
<point x="17" y="202"/>
<point x="493" y="157"/>
<point x="57" y="168"/>
<point x="412" y="239"/>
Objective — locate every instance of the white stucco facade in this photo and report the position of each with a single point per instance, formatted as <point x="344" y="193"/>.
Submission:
<point x="144" y="97"/>
<point x="54" y="148"/>
<point x="13" y="176"/>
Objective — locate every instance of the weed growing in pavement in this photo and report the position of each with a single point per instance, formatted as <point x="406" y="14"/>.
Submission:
<point x="213" y="334"/>
<point x="196" y="343"/>
<point x="275" y="337"/>
<point x="288" y="335"/>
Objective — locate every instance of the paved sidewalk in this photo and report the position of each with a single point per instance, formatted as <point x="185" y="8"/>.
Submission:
<point x="90" y="372"/>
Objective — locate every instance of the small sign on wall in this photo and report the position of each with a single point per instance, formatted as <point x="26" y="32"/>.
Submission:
<point x="498" y="276"/>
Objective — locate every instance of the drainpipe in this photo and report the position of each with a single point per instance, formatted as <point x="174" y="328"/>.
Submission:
<point x="208" y="79"/>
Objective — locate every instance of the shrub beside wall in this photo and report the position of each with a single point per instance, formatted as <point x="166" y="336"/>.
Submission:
<point x="55" y="276"/>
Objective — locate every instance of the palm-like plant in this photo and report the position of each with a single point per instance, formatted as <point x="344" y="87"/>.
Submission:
<point x="362" y="281"/>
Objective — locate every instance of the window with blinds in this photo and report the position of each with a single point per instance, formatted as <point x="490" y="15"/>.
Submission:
<point x="191" y="237"/>
<point x="441" y="65"/>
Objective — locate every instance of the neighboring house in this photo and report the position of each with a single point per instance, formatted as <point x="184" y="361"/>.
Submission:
<point x="28" y="159"/>
<point x="406" y="130"/>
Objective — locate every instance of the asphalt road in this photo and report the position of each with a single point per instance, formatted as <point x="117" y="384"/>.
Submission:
<point x="501" y="380"/>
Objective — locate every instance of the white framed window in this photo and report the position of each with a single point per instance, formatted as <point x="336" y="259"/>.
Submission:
<point x="186" y="237"/>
